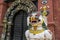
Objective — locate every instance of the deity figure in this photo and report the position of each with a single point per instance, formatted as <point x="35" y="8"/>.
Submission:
<point x="37" y="31"/>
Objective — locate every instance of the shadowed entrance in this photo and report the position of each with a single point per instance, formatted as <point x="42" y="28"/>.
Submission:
<point x="19" y="26"/>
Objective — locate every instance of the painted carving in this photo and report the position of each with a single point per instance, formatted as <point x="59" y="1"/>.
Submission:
<point x="38" y="26"/>
<point x="44" y="10"/>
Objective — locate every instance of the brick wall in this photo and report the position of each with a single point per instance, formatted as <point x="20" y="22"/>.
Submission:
<point x="57" y="19"/>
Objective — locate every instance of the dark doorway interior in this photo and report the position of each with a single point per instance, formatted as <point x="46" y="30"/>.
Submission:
<point x="35" y="2"/>
<point x="20" y="26"/>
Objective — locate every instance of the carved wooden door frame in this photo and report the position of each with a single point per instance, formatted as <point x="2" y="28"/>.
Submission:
<point x="17" y="5"/>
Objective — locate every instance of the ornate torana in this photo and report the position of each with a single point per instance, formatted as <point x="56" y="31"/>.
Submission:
<point x="17" y="5"/>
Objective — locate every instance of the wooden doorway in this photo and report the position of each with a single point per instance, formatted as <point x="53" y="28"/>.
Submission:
<point x="19" y="26"/>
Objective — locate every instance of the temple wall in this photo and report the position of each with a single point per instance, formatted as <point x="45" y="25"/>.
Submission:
<point x="53" y="17"/>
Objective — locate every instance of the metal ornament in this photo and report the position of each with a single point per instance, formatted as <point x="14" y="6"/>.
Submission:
<point x="44" y="2"/>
